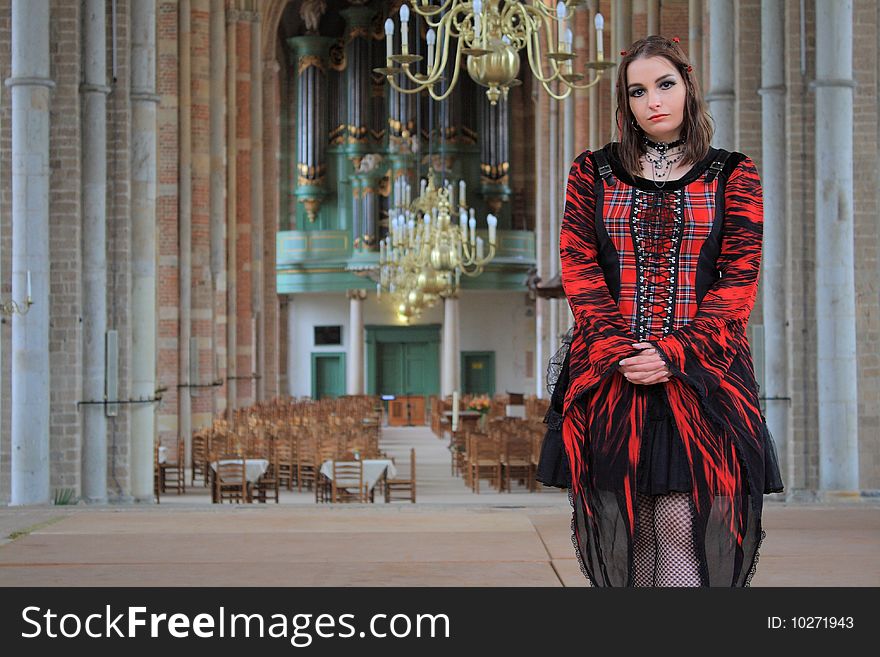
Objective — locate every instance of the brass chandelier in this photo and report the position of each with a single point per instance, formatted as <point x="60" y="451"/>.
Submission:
<point x="422" y="258"/>
<point x="491" y="33"/>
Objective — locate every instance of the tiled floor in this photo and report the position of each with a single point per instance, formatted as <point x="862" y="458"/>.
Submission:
<point x="451" y="537"/>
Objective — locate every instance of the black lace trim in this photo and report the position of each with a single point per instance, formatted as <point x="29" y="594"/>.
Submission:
<point x="577" y="550"/>
<point x="554" y="367"/>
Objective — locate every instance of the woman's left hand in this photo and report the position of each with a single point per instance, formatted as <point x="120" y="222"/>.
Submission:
<point x="645" y="368"/>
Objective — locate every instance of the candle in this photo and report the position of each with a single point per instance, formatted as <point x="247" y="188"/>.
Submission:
<point x="404" y="28"/>
<point x="569" y="38"/>
<point x="560" y="33"/>
<point x="389" y="40"/>
<point x="455" y="410"/>
<point x="492" y="220"/>
<point x="431" y="37"/>
<point x="472" y="224"/>
<point x="600" y="24"/>
<point x="463" y="223"/>
<point x="28" y="283"/>
<point x="479" y="248"/>
<point x="478" y="8"/>
<point x="461" y="196"/>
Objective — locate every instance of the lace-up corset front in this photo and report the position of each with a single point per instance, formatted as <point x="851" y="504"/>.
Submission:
<point x="656" y="228"/>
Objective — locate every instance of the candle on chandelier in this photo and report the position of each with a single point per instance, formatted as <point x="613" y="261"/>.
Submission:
<point x="478" y="10"/>
<point x="431" y="38"/>
<point x="472" y="225"/>
<point x="479" y="248"/>
<point x="600" y="24"/>
<point x="461" y="196"/>
<point x="560" y="17"/>
<point x="423" y="186"/>
<point x="389" y="40"/>
<point x="492" y="220"/>
<point x="404" y="28"/>
<point x="463" y="223"/>
<point x="569" y="38"/>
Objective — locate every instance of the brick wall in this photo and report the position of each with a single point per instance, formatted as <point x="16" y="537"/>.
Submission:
<point x="167" y="235"/>
<point x="5" y="245"/>
<point x="865" y="168"/>
<point x="202" y="404"/>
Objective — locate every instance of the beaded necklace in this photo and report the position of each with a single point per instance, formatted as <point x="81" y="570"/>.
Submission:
<point x="657" y="154"/>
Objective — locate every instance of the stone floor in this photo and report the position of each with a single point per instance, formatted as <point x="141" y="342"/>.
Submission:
<point x="451" y="537"/>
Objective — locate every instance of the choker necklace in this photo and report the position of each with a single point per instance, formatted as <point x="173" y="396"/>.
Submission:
<point x="661" y="162"/>
<point x="662" y="146"/>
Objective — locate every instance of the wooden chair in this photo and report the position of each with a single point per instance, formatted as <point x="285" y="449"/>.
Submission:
<point x="284" y="458"/>
<point x="230" y="481"/>
<point x="268" y="483"/>
<point x="403" y="489"/>
<point x="157" y="472"/>
<point x="516" y="460"/>
<point x="173" y="472"/>
<point x="347" y="484"/>
<point x="484" y="455"/>
<point x="199" y="457"/>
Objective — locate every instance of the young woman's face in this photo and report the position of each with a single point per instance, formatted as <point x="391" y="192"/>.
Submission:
<point x="657" y="97"/>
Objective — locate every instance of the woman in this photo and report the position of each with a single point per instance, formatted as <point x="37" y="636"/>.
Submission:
<point x="660" y="247"/>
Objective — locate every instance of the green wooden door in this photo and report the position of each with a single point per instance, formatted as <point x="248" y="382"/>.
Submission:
<point x="405" y="368"/>
<point x="328" y="375"/>
<point x="403" y="360"/>
<point x="390" y="361"/>
<point x="478" y="372"/>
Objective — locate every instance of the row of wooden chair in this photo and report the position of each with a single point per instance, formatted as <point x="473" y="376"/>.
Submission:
<point x="508" y="451"/>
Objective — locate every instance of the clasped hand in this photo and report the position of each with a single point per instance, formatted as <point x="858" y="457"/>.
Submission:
<point x="646" y="367"/>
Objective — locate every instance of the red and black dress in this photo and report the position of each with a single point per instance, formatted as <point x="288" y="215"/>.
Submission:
<point x="677" y="267"/>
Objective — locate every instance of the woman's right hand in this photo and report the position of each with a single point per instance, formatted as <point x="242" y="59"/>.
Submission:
<point x="646" y="367"/>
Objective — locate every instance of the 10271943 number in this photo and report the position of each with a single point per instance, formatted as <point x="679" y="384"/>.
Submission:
<point x="810" y="622"/>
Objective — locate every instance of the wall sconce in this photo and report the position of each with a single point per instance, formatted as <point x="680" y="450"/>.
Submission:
<point x="12" y="307"/>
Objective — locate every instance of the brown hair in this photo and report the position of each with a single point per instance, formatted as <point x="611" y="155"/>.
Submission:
<point x="697" y="126"/>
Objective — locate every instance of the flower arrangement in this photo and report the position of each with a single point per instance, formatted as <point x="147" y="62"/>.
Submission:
<point x="480" y="403"/>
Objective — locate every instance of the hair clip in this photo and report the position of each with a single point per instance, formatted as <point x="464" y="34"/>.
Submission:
<point x="623" y="52"/>
<point x="676" y="39"/>
<point x="690" y="68"/>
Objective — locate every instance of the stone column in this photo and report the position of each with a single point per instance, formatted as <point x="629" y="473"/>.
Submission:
<point x="257" y="191"/>
<point x="539" y="99"/>
<point x="695" y="37"/>
<point x="30" y="89"/>
<point x="552" y="248"/>
<point x="721" y="96"/>
<point x="451" y="366"/>
<point x="184" y="45"/>
<point x="356" y="342"/>
<point x="291" y="346"/>
<point x="776" y="263"/>
<point x="94" y="92"/>
<point x="837" y="371"/>
<point x="217" y="182"/>
<point x="653" y="18"/>
<point x="593" y="92"/>
<point x="231" y="211"/>
<point x="144" y="102"/>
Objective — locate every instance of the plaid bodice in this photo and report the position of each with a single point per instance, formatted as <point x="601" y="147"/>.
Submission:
<point x="656" y="237"/>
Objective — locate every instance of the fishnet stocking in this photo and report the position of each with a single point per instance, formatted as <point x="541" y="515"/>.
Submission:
<point x="664" y="553"/>
<point x="644" y="545"/>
